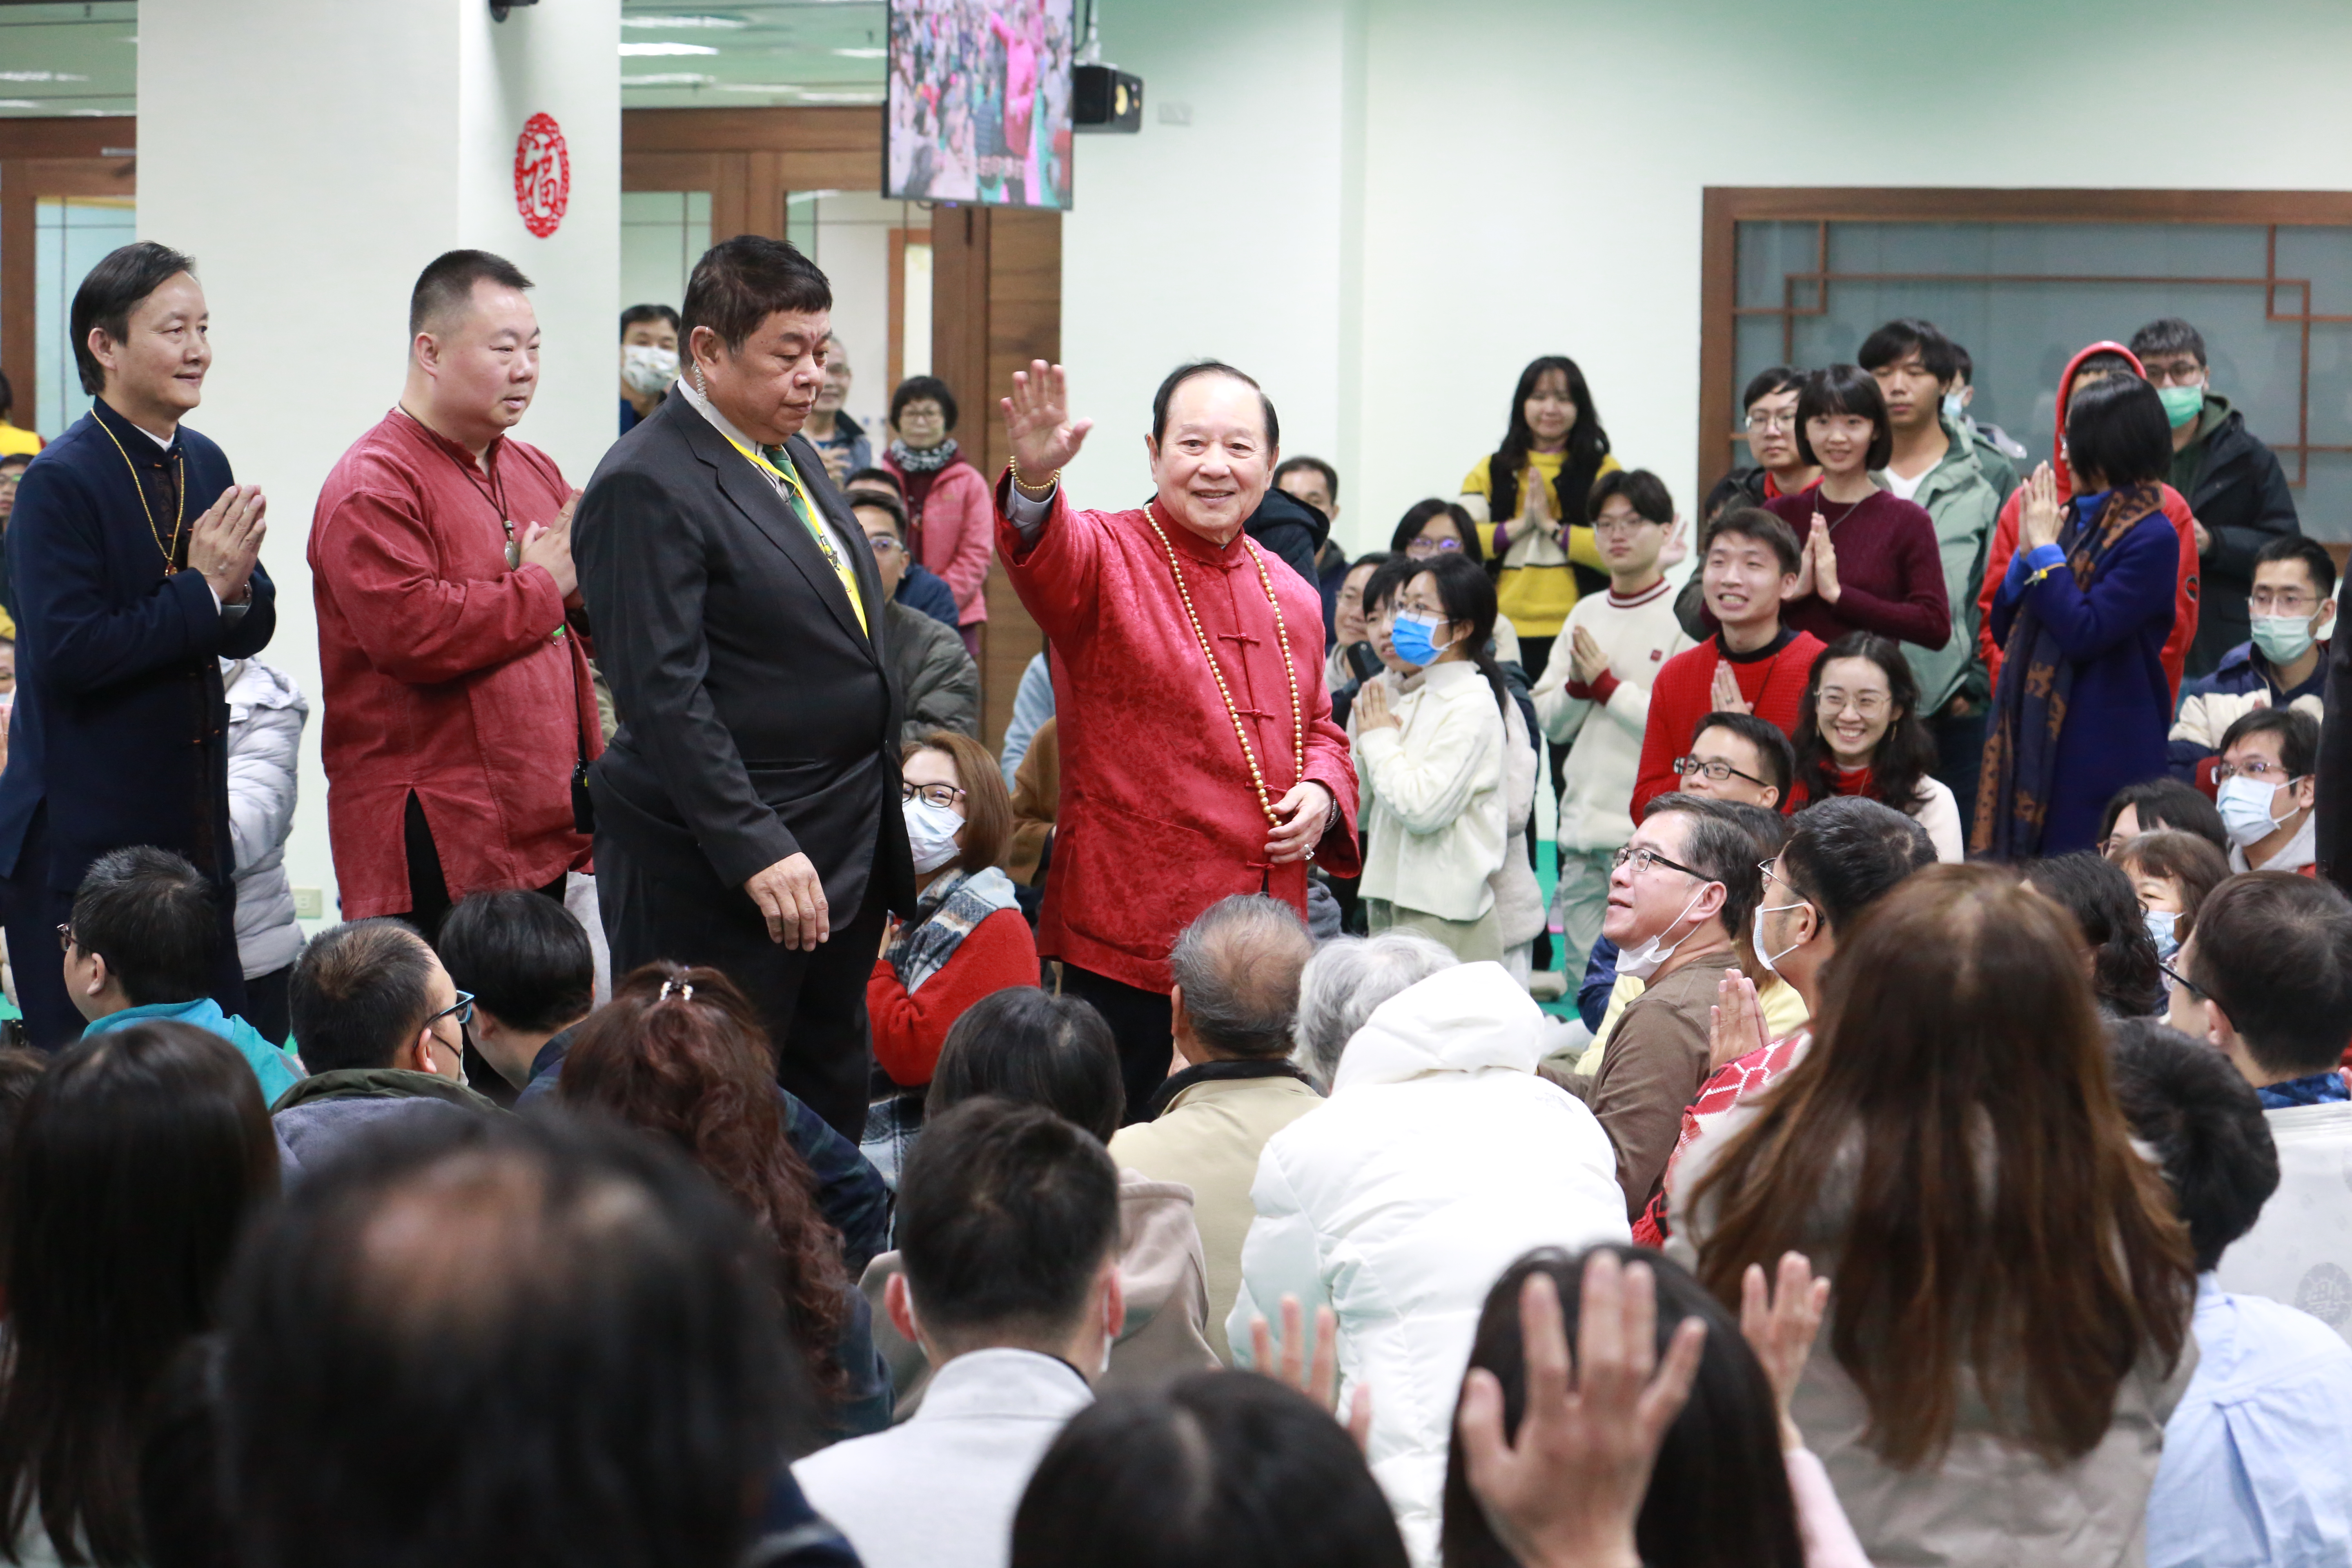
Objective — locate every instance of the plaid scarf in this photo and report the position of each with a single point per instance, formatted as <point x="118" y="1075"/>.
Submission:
<point x="2037" y="681"/>
<point x="947" y="912"/>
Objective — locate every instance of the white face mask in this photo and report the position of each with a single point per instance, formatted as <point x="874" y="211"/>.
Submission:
<point x="1770" y="961"/>
<point x="931" y="833"/>
<point x="2162" y="925"/>
<point x="1643" y="962"/>
<point x="648" y="368"/>
<point x="2245" y="804"/>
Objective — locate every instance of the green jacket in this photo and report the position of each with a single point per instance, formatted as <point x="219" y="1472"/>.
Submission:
<point x="1964" y="505"/>
<point x="1998" y="469"/>
<point x="381" y="1083"/>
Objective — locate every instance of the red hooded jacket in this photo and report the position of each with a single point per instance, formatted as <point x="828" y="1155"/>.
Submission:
<point x="2004" y="541"/>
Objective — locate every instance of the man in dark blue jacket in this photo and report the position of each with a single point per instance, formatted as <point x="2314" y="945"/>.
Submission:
<point x="135" y="558"/>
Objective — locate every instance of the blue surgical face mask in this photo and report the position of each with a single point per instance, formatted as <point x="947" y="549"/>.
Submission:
<point x="2245" y="804"/>
<point x="1413" y="636"/>
<point x="1956" y="406"/>
<point x="2161" y="925"/>
<point x="2282" y="639"/>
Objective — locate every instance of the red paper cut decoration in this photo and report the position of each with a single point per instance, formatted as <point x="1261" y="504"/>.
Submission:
<point x="542" y="175"/>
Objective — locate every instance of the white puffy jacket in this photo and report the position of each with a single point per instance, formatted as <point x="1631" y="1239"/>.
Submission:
<point x="1439" y="1159"/>
<point x="265" y="714"/>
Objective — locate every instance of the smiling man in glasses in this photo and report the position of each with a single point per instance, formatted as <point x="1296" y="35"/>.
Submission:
<point x="383" y="1029"/>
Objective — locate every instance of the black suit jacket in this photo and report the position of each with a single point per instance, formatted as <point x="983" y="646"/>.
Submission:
<point x="756" y="716"/>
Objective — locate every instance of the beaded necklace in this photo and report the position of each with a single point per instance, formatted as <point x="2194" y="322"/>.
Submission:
<point x="1282" y="641"/>
<point x="180" y="493"/>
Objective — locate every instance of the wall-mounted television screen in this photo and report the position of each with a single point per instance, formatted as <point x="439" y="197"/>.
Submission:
<point x="978" y="105"/>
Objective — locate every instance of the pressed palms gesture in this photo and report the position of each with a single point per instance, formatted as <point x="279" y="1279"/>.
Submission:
<point x="1038" y="422"/>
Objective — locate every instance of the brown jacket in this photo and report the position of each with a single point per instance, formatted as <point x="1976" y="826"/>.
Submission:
<point x="1036" y="798"/>
<point x="1655" y="1062"/>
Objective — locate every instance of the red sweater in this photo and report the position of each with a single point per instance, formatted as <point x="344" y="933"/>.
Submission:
<point x="1773" y="683"/>
<point x="1890" y="571"/>
<point x="908" y="1030"/>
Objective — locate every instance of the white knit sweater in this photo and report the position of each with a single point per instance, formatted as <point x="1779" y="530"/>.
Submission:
<point x="1604" y="739"/>
<point x="1434" y="809"/>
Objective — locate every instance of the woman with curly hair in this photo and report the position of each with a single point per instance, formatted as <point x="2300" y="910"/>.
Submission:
<point x="679" y="1053"/>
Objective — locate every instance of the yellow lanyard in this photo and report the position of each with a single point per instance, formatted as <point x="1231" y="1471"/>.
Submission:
<point x="807" y="512"/>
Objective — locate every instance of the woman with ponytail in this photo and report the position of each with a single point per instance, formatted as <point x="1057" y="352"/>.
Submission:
<point x="1432" y="745"/>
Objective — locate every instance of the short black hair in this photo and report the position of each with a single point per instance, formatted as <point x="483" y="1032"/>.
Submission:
<point x="1766" y="383"/>
<point x="1388" y="577"/>
<point x="2297" y="730"/>
<point x="1416" y="518"/>
<point x="2166" y="802"/>
<point x="1763" y="527"/>
<point x="2106" y="363"/>
<point x="882" y="478"/>
<point x="511" y="1340"/>
<point x="885" y="502"/>
<point x="1719" y="848"/>
<point x="7" y="403"/>
<point x="2117" y="431"/>
<point x="1964" y="369"/>
<point x="16" y="460"/>
<point x="1239" y="963"/>
<point x="2095" y="890"/>
<point x="2169" y="335"/>
<point x="1027" y="1045"/>
<point x="1184" y="372"/>
<point x="2205" y="1123"/>
<point x="155" y="919"/>
<point x="1006" y="1212"/>
<point x="360" y="992"/>
<point x="447" y="283"/>
<point x="109" y="291"/>
<point x="2313" y="555"/>
<point x="1293" y="464"/>
<point x="740" y="282"/>
<point x="1772" y="743"/>
<point x="2274" y="951"/>
<point x="524" y="956"/>
<point x="1643" y="492"/>
<point x="1845" y="389"/>
<point x="1846" y="852"/>
<point x="636" y="313"/>
<point x="915" y="389"/>
<point x="1726" y="491"/>
<point x="1907" y="335"/>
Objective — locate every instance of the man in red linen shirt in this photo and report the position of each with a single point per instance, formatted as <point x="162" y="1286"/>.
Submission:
<point x="1198" y="754"/>
<point x="457" y="694"/>
<point x="1752" y="665"/>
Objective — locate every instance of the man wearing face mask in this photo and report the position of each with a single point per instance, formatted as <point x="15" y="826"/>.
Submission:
<point x="2269" y="778"/>
<point x="1231" y="775"/>
<point x="648" y="360"/>
<point x="2283" y="664"/>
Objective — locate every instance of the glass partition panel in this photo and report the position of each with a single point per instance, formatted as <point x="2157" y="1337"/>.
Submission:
<point x="70" y="234"/>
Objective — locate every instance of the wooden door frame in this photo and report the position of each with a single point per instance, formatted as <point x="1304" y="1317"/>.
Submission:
<point x="48" y="157"/>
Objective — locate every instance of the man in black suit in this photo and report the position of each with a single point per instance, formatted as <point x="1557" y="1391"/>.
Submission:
<point x="748" y="811"/>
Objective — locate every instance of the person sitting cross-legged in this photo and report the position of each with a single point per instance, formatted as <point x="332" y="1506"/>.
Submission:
<point x="1009" y="1227"/>
<point x="140" y="947"/>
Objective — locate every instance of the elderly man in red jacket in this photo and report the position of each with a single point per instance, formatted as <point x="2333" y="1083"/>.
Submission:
<point x="1198" y="758"/>
<point x="458" y="701"/>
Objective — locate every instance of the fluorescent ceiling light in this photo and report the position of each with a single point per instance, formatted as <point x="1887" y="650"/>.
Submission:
<point x="628" y="50"/>
<point x="841" y="98"/>
<point x="729" y="23"/>
<point x="20" y="103"/>
<point x="862" y="54"/>
<point x="41" y="76"/>
<point x="669" y="78"/>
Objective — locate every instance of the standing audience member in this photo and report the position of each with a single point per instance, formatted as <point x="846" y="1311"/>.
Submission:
<point x="1349" y="629"/>
<point x="1033" y="704"/>
<point x="2270" y="975"/>
<point x="1317" y="483"/>
<point x="1430" y="750"/>
<point x="1750" y="566"/>
<point x="1769" y="405"/>
<point x="138" y="947"/>
<point x="1530" y="500"/>
<point x="968" y="938"/>
<point x="2233" y="483"/>
<point x="2009" y="1293"/>
<point x="1292" y="532"/>
<point x="1934" y="463"/>
<point x="839" y="440"/>
<point x="267" y="712"/>
<point x="526" y="1342"/>
<point x="1035" y="1048"/>
<point x="2251" y="1469"/>
<point x="1871" y="561"/>
<point x="1861" y="731"/>
<point x="679" y="1053"/>
<point x="12" y="473"/>
<point x="1036" y="804"/>
<point x="2173" y="874"/>
<point x="2269" y="759"/>
<point x="2084" y="606"/>
<point x="1595" y="698"/>
<point x="2118" y="951"/>
<point x="1235" y="999"/>
<point x="134" y="1163"/>
<point x="948" y="513"/>
<point x="1440" y="1157"/>
<point x="2281" y="666"/>
<point x="457" y="696"/>
<point x="15" y="440"/>
<point x="1996" y="450"/>
<point x="648" y="361"/>
<point x="134" y="557"/>
<point x="939" y="685"/>
<point x="383" y="1031"/>
<point x="1008" y="1229"/>
<point x="528" y="966"/>
<point x="1433" y="527"/>
<point x="2158" y="804"/>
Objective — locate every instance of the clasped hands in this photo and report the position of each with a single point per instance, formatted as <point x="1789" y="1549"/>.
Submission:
<point x="1817" y="563"/>
<point x="226" y="542"/>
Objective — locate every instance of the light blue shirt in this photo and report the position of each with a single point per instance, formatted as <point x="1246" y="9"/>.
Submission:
<point x="2257" y="1465"/>
<point x="1033" y="704"/>
<point x="277" y="1068"/>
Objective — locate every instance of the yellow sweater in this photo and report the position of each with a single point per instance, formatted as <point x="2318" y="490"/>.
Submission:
<point x="1537" y="587"/>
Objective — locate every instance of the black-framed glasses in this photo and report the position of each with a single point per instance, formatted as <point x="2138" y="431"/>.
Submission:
<point x="65" y="936"/>
<point x="944" y="796"/>
<point x="1716" y="769"/>
<point x="2181" y="980"/>
<point x="462" y="1009"/>
<point x="1643" y="858"/>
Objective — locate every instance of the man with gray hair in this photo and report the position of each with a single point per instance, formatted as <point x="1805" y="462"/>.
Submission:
<point x="1345" y="981"/>
<point x="1233" y="998"/>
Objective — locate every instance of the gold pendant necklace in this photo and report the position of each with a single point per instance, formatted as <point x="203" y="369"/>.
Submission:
<point x="139" y="486"/>
<point x="1282" y="643"/>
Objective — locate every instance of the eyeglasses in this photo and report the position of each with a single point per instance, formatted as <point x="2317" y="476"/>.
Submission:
<point x="1642" y="859"/>
<point x="462" y="1009"/>
<point x="2262" y="770"/>
<point x="65" y="936"/>
<point x="944" y="796"/>
<point x="1422" y="548"/>
<point x="883" y="543"/>
<point x="1776" y="879"/>
<point x="1869" y="704"/>
<point x="2181" y="980"/>
<point x="2266" y="603"/>
<point x="1715" y="770"/>
<point x="1623" y="524"/>
<point x="2180" y="372"/>
<point x="1787" y="421"/>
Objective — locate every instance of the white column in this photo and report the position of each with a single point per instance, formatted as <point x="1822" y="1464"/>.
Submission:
<point x="312" y="158"/>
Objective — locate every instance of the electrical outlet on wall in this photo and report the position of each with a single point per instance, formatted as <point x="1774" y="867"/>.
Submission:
<point x="309" y="904"/>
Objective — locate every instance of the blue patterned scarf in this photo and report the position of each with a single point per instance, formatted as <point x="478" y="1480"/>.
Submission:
<point x="947" y="912"/>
